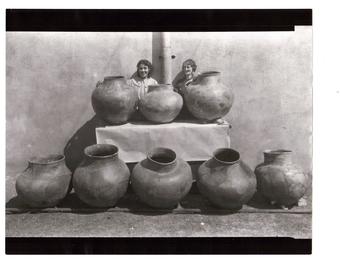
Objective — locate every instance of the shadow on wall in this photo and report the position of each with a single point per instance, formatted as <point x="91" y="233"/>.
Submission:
<point x="83" y="137"/>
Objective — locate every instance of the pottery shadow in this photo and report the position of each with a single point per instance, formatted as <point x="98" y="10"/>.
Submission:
<point x="128" y="203"/>
<point x="199" y="202"/>
<point x="260" y="202"/>
<point x="17" y="202"/>
<point x="83" y="137"/>
<point x="134" y="205"/>
<point x="21" y="207"/>
<point x="77" y="206"/>
<point x="70" y="201"/>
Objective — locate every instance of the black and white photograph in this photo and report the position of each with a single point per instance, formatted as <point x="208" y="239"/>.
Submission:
<point x="144" y="132"/>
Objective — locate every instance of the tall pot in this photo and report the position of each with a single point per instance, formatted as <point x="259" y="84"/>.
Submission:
<point x="102" y="178"/>
<point x="225" y="180"/>
<point x="161" y="104"/>
<point x="207" y="98"/>
<point x="279" y="179"/>
<point x="45" y="181"/>
<point x="114" y="100"/>
<point x="162" y="179"/>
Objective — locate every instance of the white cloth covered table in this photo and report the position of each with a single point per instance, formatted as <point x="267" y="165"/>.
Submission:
<point x="190" y="141"/>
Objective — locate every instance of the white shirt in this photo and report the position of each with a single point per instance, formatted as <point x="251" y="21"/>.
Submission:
<point x="141" y="84"/>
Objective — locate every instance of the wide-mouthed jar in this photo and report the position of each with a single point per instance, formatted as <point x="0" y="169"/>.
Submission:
<point x="45" y="182"/>
<point x="113" y="100"/>
<point x="207" y="98"/>
<point x="162" y="179"/>
<point x="225" y="180"/>
<point x="161" y="104"/>
<point x="102" y="178"/>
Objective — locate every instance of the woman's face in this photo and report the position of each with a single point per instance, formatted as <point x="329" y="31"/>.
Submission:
<point x="143" y="71"/>
<point x="188" y="70"/>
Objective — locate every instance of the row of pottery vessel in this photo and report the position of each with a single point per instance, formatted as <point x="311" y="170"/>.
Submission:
<point x="206" y="98"/>
<point x="162" y="179"/>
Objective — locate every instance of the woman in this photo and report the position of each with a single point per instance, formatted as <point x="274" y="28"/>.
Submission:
<point x="182" y="80"/>
<point x="141" y="78"/>
<point x="186" y="76"/>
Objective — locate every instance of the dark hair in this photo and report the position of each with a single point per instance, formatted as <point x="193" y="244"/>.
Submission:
<point x="191" y="63"/>
<point x="147" y="63"/>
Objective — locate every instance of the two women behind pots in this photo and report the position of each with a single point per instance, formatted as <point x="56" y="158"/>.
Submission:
<point x="141" y="79"/>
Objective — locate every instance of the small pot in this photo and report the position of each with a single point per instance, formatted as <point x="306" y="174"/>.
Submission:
<point x="279" y="179"/>
<point x="45" y="182"/>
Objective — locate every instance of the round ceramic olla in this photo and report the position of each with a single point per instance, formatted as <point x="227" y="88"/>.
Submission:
<point x="45" y="182"/>
<point x="162" y="179"/>
<point x="207" y="98"/>
<point x="161" y="104"/>
<point x="102" y="178"/>
<point x="114" y="100"/>
<point x="225" y="180"/>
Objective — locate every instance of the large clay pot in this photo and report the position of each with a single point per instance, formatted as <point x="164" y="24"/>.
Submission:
<point x="45" y="181"/>
<point x="162" y="179"/>
<point x="207" y="98"/>
<point x="102" y="178"/>
<point x="161" y="104"/>
<point x="225" y="180"/>
<point x="113" y="100"/>
<point x="279" y="179"/>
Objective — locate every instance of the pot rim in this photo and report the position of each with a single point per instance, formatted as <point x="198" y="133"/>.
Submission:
<point x="160" y="85"/>
<point x="48" y="159"/>
<point x="236" y="158"/>
<point x="210" y="73"/>
<point x="162" y="150"/>
<point x="277" y="152"/>
<point x="113" y="77"/>
<point x="156" y="86"/>
<point x="104" y="147"/>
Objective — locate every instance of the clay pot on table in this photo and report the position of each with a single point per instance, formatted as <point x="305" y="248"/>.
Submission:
<point x="45" y="182"/>
<point x="162" y="179"/>
<point x="102" y="178"/>
<point x="161" y="104"/>
<point x="207" y="98"/>
<point x="114" y="100"/>
<point x="279" y="179"/>
<point x="225" y="180"/>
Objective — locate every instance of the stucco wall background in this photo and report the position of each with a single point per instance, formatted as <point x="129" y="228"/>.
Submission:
<point x="50" y="78"/>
